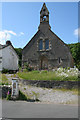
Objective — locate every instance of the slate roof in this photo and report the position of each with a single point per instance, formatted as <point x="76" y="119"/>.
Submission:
<point x="6" y="45"/>
<point x="3" y="46"/>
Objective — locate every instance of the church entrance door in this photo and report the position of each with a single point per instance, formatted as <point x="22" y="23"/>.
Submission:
<point x="44" y="63"/>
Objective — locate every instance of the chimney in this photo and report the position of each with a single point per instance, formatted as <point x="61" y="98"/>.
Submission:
<point x="8" y="43"/>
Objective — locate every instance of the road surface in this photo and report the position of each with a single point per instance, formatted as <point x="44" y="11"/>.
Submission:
<point x="23" y="109"/>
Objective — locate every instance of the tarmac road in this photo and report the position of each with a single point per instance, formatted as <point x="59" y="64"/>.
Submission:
<point x="23" y="109"/>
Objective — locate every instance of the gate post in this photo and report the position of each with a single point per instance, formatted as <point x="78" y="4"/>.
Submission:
<point x="15" y="89"/>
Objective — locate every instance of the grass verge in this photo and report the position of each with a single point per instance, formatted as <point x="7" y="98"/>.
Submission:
<point x="74" y="91"/>
<point x="3" y="79"/>
<point x="45" y="75"/>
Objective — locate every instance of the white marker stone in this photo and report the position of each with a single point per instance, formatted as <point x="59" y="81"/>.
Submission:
<point x="15" y="89"/>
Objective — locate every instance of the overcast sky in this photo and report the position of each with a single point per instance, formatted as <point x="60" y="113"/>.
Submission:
<point x="20" y="21"/>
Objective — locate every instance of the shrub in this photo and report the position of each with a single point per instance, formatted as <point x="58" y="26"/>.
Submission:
<point x="4" y="83"/>
<point x="35" y="71"/>
<point x="21" y="96"/>
<point x="78" y="66"/>
<point x="24" y="88"/>
<point x="60" y="69"/>
<point x="68" y="68"/>
<point x="25" y="70"/>
<point x="5" y="70"/>
<point x="19" y="52"/>
<point x="27" y="67"/>
<point x="3" y="80"/>
<point x="8" y="96"/>
<point x="44" y="71"/>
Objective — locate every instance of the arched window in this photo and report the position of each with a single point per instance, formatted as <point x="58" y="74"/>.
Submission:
<point x="44" y="18"/>
<point x="46" y="44"/>
<point x="40" y="44"/>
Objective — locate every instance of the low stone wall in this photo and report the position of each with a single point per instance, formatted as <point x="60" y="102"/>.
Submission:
<point x="51" y="84"/>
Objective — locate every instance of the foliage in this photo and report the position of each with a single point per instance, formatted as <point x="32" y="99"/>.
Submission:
<point x="19" y="52"/>
<point x="75" y="50"/>
<point x="2" y="83"/>
<point x="35" y="71"/>
<point x="3" y="80"/>
<point x="5" y="70"/>
<point x="44" y="71"/>
<point x="8" y="96"/>
<point x="27" y="67"/>
<point x="22" y="96"/>
<point x="24" y="88"/>
<point x="25" y="70"/>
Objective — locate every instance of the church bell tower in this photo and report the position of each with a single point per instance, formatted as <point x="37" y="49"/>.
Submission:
<point x="44" y="17"/>
<point x="44" y="14"/>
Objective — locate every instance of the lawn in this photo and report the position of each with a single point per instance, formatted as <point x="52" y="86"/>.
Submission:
<point x="59" y="74"/>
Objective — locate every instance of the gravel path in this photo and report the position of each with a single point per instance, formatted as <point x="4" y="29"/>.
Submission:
<point x="48" y="95"/>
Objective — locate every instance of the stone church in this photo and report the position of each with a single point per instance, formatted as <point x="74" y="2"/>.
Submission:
<point x="46" y="50"/>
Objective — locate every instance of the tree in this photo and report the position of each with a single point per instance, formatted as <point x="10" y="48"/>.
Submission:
<point x="19" y="52"/>
<point x="75" y="50"/>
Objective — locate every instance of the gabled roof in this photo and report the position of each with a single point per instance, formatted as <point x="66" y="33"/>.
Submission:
<point x="44" y="7"/>
<point x="3" y="46"/>
<point x="6" y="45"/>
<point x="31" y="39"/>
<point x="61" y="41"/>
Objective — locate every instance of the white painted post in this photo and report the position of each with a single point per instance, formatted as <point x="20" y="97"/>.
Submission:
<point x="15" y="89"/>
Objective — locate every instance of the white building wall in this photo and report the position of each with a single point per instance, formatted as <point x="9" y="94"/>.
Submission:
<point x="0" y="59"/>
<point x="9" y="58"/>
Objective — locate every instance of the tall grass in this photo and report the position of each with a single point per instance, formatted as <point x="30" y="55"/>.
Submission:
<point x="3" y="79"/>
<point x="45" y="75"/>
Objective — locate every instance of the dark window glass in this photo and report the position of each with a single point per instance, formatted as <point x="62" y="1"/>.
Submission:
<point x="47" y="44"/>
<point x="40" y="44"/>
<point x="59" y="60"/>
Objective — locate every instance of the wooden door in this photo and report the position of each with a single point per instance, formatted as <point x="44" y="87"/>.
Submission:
<point x="44" y="63"/>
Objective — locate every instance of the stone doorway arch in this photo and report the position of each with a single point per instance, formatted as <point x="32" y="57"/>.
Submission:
<point x="44" y="63"/>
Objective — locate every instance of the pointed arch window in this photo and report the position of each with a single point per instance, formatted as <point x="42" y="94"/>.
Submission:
<point x="40" y="44"/>
<point x="46" y="44"/>
<point x="44" y="18"/>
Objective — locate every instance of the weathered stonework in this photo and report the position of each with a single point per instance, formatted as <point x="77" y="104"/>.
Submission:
<point x="52" y="83"/>
<point x="58" y="53"/>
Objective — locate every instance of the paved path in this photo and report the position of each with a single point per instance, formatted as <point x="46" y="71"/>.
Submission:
<point x="23" y="109"/>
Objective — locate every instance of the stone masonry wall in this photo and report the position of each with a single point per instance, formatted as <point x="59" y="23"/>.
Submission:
<point x="52" y="84"/>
